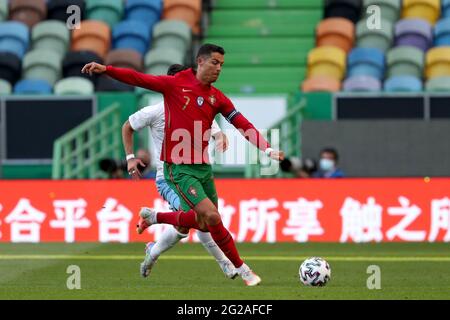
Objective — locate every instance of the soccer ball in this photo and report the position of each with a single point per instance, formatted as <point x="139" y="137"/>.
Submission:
<point x="315" y="272"/>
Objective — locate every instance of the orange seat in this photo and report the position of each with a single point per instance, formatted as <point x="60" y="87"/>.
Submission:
<point x="125" y="58"/>
<point x="321" y="83"/>
<point x="185" y="10"/>
<point x="29" y="12"/>
<point x="93" y="36"/>
<point x="336" y="32"/>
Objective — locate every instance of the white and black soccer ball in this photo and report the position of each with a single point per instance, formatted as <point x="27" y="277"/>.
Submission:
<point x="315" y="272"/>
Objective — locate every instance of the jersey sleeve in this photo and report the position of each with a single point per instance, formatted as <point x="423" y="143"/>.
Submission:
<point x="215" y="129"/>
<point x="247" y="129"/>
<point x="143" y="117"/>
<point x="134" y="78"/>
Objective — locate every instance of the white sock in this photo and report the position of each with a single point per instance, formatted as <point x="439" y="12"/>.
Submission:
<point x="168" y="239"/>
<point x="210" y="246"/>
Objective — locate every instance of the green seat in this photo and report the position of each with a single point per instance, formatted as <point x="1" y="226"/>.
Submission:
<point x="52" y="35"/>
<point x="268" y="4"/>
<point x="438" y="84"/>
<point x="390" y="9"/>
<point x="74" y="86"/>
<point x="174" y="34"/>
<point x="375" y="38"/>
<point x="42" y="64"/>
<point x="405" y="60"/>
<point x="3" y="10"/>
<point x="283" y="58"/>
<point x="275" y="30"/>
<point x="108" y="11"/>
<point x="5" y="87"/>
<point x="158" y="60"/>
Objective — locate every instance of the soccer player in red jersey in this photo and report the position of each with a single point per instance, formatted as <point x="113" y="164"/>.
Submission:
<point x="191" y="103"/>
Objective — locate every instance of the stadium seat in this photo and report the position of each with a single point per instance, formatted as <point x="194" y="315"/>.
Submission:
<point x="185" y="10"/>
<point x="92" y="35"/>
<point x="437" y="62"/>
<point x="5" y="87"/>
<point x="366" y="62"/>
<point x="74" y="86"/>
<point x="321" y="84"/>
<point x="374" y="38"/>
<point x="3" y="10"/>
<point x="108" y="84"/>
<point x="257" y="4"/>
<point x="51" y="34"/>
<point x="57" y="9"/>
<point x="158" y="60"/>
<point x="108" y="11"/>
<point x="327" y="61"/>
<point x="42" y="64"/>
<point x="147" y="11"/>
<point x="405" y="61"/>
<point x="362" y="84"/>
<point x="445" y="8"/>
<point x="14" y="38"/>
<point x="442" y="33"/>
<point x="438" y="84"/>
<point x="402" y="84"/>
<point x="414" y="32"/>
<point x="10" y="67"/>
<point x="337" y="32"/>
<point x="350" y="9"/>
<point x="172" y="34"/>
<point x="32" y="86"/>
<point x="390" y="9"/>
<point x="131" y="34"/>
<point x="429" y="10"/>
<point x="29" y="12"/>
<point x="75" y="60"/>
<point x="125" y="58"/>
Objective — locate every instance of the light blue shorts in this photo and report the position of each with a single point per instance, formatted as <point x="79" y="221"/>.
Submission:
<point x="168" y="194"/>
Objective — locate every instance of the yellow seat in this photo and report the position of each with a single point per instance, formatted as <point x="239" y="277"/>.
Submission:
<point x="327" y="61"/>
<point x="429" y="10"/>
<point x="437" y="62"/>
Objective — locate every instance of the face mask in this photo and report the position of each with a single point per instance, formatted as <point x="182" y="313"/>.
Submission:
<point x="326" y="164"/>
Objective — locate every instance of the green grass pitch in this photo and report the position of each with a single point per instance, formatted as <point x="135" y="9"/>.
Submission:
<point x="111" y="271"/>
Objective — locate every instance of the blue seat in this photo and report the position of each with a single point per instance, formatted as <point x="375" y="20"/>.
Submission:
<point x="403" y="83"/>
<point x="32" y="86"/>
<point x="442" y="32"/>
<point x="445" y="8"/>
<point x="147" y="11"/>
<point x="131" y="34"/>
<point x="366" y="62"/>
<point x="14" y="38"/>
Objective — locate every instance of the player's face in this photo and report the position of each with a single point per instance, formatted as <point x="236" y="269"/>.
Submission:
<point x="211" y="66"/>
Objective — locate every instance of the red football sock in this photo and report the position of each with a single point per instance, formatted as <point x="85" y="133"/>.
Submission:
<point x="224" y="240"/>
<point x="178" y="218"/>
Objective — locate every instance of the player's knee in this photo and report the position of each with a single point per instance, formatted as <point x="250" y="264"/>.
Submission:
<point x="182" y="230"/>
<point x="213" y="218"/>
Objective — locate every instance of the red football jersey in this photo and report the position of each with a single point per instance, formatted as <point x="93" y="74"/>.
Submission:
<point x="190" y="108"/>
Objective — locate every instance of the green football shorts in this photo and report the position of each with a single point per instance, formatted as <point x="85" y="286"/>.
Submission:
<point x="192" y="182"/>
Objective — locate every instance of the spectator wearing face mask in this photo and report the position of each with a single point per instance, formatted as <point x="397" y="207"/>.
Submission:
<point x="328" y="165"/>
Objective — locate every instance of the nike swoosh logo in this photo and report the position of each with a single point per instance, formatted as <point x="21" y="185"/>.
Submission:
<point x="186" y="90"/>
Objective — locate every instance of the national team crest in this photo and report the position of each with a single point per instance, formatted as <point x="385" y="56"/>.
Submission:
<point x="212" y="99"/>
<point x="200" y="101"/>
<point x="192" y="191"/>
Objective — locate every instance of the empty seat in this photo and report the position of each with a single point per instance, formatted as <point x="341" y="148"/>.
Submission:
<point x="403" y="84"/>
<point x="131" y="34"/>
<point x="125" y="58"/>
<point x="185" y="10"/>
<point x="109" y="84"/>
<point x="3" y="10"/>
<point x="29" y="12"/>
<point x="362" y="84"/>
<point x="445" y="8"/>
<point x="32" y="86"/>
<point x="414" y="32"/>
<point x="327" y="61"/>
<point x="10" y="67"/>
<point x="74" y="86"/>
<point x="52" y="35"/>
<point x="14" y="38"/>
<point x="147" y="11"/>
<point x="366" y="62"/>
<point x="108" y="11"/>
<point x="5" y="87"/>
<point x="405" y="61"/>
<point x="74" y="61"/>
<point x="390" y="9"/>
<point x="42" y="64"/>
<point x="375" y="38"/>
<point x="57" y="9"/>
<point x="442" y="33"/>
<point x="438" y="84"/>
<point x="429" y="10"/>
<point x="337" y="32"/>
<point x="321" y="84"/>
<point x="92" y="35"/>
<point x="158" y="60"/>
<point x="350" y="9"/>
<point x="437" y="62"/>
<point x="173" y="34"/>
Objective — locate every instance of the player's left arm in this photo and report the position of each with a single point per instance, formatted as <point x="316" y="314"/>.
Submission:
<point x="220" y="137"/>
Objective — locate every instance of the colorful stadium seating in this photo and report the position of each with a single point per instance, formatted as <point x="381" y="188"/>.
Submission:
<point x="327" y="61"/>
<point x="437" y="62"/>
<point x="125" y="58"/>
<point x="147" y="11"/>
<point x="414" y="32"/>
<point x="350" y="9"/>
<point x="438" y="84"/>
<point x="29" y="12"/>
<point x="131" y="34"/>
<point x="361" y="83"/>
<point x="405" y="61"/>
<point x="57" y="9"/>
<point x="108" y="11"/>
<point x="14" y="38"/>
<point x="403" y="84"/>
<point x="366" y="62"/>
<point x="10" y="67"/>
<point x="158" y="60"/>
<point x="442" y="33"/>
<point x="93" y="36"/>
<point x="5" y="87"/>
<point x="375" y="38"/>
<point x="390" y="9"/>
<point x="337" y="32"/>
<point x="74" y="86"/>
<point x="174" y="34"/>
<point x="185" y="10"/>
<point x="3" y="10"/>
<point x="445" y="8"/>
<point x="321" y="83"/>
<point x="428" y="10"/>
<point x="75" y="60"/>
<point x="42" y="64"/>
<point x="32" y="86"/>
<point x="52" y="35"/>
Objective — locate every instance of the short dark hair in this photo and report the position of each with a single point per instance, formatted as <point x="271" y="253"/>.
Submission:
<point x="333" y="151"/>
<point x="175" y="68"/>
<point x="208" y="48"/>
